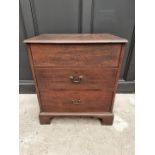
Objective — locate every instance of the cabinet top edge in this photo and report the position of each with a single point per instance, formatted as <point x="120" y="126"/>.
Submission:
<point x="75" y="38"/>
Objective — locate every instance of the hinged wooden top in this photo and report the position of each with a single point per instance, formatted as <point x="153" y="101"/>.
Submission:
<point x="75" y="38"/>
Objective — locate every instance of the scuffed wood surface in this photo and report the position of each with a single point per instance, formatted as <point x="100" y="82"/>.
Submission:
<point x="76" y="38"/>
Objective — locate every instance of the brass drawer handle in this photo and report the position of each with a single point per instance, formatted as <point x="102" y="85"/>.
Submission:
<point x="76" y="79"/>
<point x="76" y="101"/>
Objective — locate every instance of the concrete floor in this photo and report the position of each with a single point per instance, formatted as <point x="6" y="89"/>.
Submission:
<point x="77" y="136"/>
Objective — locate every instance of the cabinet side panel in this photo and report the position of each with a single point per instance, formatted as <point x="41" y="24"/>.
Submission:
<point x="33" y="74"/>
<point x="118" y="73"/>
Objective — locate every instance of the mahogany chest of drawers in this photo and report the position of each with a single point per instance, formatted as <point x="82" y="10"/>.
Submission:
<point x="76" y="74"/>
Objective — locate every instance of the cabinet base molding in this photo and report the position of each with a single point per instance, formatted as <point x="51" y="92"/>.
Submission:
<point x="105" y="118"/>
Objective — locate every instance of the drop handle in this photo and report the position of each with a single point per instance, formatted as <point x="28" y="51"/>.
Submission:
<point x="76" y="79"/>
<point x="76" y="101"/>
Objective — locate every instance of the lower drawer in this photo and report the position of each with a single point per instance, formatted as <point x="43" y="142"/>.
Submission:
<point x="76" y="101"/>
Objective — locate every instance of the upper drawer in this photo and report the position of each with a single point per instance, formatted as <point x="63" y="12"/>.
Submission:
<point x="76" y="54"/>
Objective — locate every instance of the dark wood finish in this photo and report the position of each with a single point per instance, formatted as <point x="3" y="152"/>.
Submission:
<point x="34" y="76"/>
<point x="106" y="118"/>
<point x="76" y="38"/>
<point x="118" y="73"/>
<point x="76" y="55"/>
<point x="76" y="75"/>
<point x="76" y="101"/>
<point x="45" y="119"/>
<point x="59" y="78"/>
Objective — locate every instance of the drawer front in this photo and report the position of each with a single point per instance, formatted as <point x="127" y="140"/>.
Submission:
<point x="76" y="101"/>
<point x="76" y="55"/>
<point x="75" y="78"/>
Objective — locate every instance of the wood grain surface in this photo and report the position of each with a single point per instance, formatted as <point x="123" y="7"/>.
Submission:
<point x="59" y="78"/>
<point x="76" y="38"/>
<point x="89" y="101"/>
<point x="76" y="55"/>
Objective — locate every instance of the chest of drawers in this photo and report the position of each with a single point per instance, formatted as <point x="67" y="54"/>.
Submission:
<point x="76" y="74"/>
